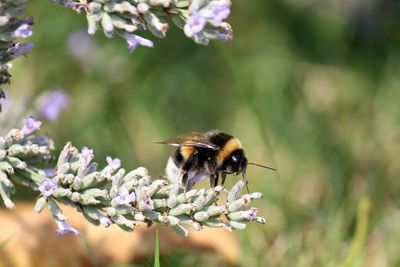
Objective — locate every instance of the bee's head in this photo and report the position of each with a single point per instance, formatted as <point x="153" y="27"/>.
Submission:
<point x="236" y="162"/>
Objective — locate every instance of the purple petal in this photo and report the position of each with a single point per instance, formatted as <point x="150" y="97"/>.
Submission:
<point x="113" y="163"/>
<point x="194" y="24"/>
<point x="105" y="221"/>
<point x="134" y="40"/>
<point x="64" y="228"/>
<point x="47" y="187"/>
<point x="148" y="203"/>
<point x="30" y="125"/>
<point x="220" y="13"/>
<point x="87" y="155"/>
<point x="20" y="49"/>
<point x="252" y="214"/>
<point x="124" y="198"/>
<point x="23" y="31"/>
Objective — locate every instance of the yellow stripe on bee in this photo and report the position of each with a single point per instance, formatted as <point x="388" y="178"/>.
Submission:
<point x="228" y="148"/>
<point x="187" y="151"/>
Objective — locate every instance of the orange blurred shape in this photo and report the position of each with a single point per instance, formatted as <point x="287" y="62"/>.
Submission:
<point x="29" y="239"/>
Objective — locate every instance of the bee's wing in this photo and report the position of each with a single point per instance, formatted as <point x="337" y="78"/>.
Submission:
<point x="191" y="139"/>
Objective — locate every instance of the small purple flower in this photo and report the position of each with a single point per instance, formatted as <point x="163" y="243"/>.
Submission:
<point x="219" y="13"/>
<point x="87" y="155"/>
<point x="105" y="221"/>
<point x="51" y="103"/>
<point x="134" y="40"/>
<point x="23" y="31"/>
<point x="251" y="214"/>
<point x="113" y="163"/>
<point x="194" y="24"/>
<point x="20" y="49"/>
<point x="124" y="198"/>
<point x="30" y="125"/>
<point x="64" y="228"/>
<point x="47" y="187"/>
<point x="148" y="203"/>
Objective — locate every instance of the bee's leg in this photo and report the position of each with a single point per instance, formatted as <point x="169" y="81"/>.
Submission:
<point x="214" y="180"/>
<point x="213" y="184"/>
<point x="185" y="180"/>
<point x="245" y="182"/>
<point x="247" y="186"/>
<point x="223" y="177"/>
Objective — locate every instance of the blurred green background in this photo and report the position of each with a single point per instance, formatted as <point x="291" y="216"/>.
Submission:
<point x="310" y="87"/>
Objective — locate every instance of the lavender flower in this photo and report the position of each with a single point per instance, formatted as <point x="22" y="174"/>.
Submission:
<point x="134" y="40"/>
<point x="195" y="24"/>
<point x="105" y="221"/>
<point x="23" y="31"/>
<point x="51" y="103"/>
<point x="218" y="13"/>
<point x="113" y="163"/>
<point x="64" y="228"/>
<point x="87" y="155"/>
<point x="148" y="203"/>
<point x="20" y="49"/>
<point x="30" y="125"/>
<point x="47" y="187"/>
<point x="251" y="214"/>
<point x="124" y="198"/>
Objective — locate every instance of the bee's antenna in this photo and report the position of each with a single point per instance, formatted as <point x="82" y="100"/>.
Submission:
<point x="262" y="166"/>
<point x="245" y="181"/>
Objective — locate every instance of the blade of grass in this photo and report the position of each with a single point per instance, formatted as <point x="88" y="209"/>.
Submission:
<point x="354" y="256"/>
<point x="156" y="252"/>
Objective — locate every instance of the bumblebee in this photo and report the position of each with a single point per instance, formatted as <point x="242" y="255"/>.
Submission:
<point x="211" y="154"/>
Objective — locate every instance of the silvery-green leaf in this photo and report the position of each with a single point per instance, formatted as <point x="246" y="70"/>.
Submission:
<point x="214" y="223"/>
<point x="215" y="210"/>
<point x="160" y="203"/>
<point x="55" y="209"/>
<point x="260" y="220"/>
<point x="235" y="191"/>
<point x="94" y="7"/>
<point x="181" y="209"/>
<point x="186" y="197"/>
<point x="155" y="25"/>
<point x="237" y="225"/>
<point x="40" y="203"/>
<point x="180" y="230"/>
<point x="173" y="193"/>
<point x="5" y="195"/>
<point x="172" y="220"/>
<point x="201" y="216"/>
<point x="4" y="179"/>
<point x="124" y="7"/>
<point x="6" y="167"/>
<point x="16" y="149"/>
<point x="151" y="215"/>
<point x="122" y="24"/>
<point x="92" y="214"/>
